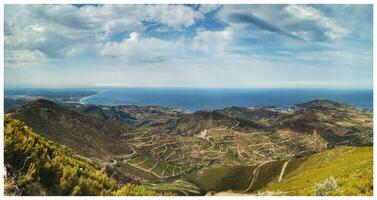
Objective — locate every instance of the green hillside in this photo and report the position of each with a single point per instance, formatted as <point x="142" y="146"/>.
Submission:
<point x="37" y="166"/>
<point x="222" y="178"/>
<point x="235" y="178"/>
<point x="340" y="171"/>
<point x="88" y="136"/>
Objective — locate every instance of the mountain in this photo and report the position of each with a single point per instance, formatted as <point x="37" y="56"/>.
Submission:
<point x="105" y="113"/>
<point x="330" y="121"/>
<point x="334" y="122"/>
<point x="87" y="135"/>
<point x="37" y="166"/>
<point x="194" y="123"/>
<point x="167" y="150"/>
<point x="323" y="104"/>
<point x="131" y="114"/>
<point x="252" y="113"/>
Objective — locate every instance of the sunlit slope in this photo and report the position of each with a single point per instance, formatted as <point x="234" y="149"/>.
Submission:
<point x="222" y="178"/>
<point x="236" y="178"/>
<point x="37" y="166"/>
<point x="351" y="167"/>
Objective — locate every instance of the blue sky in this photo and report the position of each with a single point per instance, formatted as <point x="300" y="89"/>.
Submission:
<point x="241" y="46"/>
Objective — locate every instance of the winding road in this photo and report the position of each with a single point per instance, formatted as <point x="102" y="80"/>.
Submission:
<point x="283" y="170"/>
<point x="255" y="175"/>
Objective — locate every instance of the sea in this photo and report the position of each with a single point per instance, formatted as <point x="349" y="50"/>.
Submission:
<point x="193" y="99"/>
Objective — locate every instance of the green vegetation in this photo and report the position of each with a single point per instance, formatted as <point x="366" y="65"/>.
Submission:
<point x="236" y="178"/>
<point x="86" y="135"/>
<point x="267" y="173"/>
<point x="223" y="153"/>
<point x="293" y="165"/>
<point x="126" y="168"/>
<point x="325" y="188"/>
<point x="222" y="178"/>
<point x="179" y="186"/>
<point x="350" y="167"/>
<point x="37" y="166"/>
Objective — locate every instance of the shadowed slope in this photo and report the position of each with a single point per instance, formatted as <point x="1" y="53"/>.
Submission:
<point x="88" y="136"/>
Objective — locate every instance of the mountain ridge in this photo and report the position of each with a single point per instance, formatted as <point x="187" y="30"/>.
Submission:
<point x="67" y="127"/>
<point x="167" y="150"/>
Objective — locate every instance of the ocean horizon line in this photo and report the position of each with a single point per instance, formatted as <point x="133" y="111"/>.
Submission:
<point x="184" y="87"/>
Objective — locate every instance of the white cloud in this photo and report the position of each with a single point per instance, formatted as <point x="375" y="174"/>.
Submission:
<point x="137" y="48"/>
<point x="305" y="22"/>
<point x="117" y="38"/>
<point x="37" y="28"/>
<point x="24" y="57"/>
<point x="115" y="26"/>
<point x="116" y="21"/>
<point x="60" y="31"/>
<point x="148" y="49"/>
<point x="176" y="16"/>
<point x="206" y="8"/>
<point x="211" y="42"/>
<point x="332" y="30"/>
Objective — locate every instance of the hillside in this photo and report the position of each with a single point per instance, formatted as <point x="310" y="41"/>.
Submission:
<point x="87" y="135"/>
<point x="334" y="123"/>
<point x="37" y="166"/>
<point x="131" y="114"/>
<point x="350" y="167"/>
<point x="236" y="148"/>
<point x="337" y="126"/>
<point x="324" y="104"/>
<point x="343" y="171"/>
<point x="194" y="123"/>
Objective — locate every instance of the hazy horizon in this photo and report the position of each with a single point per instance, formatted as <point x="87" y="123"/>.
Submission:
<point x="11" y="87"/>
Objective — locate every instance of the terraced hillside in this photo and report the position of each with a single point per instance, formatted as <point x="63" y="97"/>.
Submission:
<point x="181" y="152"/>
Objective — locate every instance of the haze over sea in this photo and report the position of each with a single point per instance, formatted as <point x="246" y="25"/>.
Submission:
<point x="193" y="99"/>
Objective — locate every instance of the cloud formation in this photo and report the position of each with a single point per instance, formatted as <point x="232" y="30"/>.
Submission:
<point x="212" y="42"/>
<point x="295" y="21"/>
<point x="259" y="23"/>
<point x="198" y="38"/>
<point x="60" y="31"/>
<point x="138" y="49"/>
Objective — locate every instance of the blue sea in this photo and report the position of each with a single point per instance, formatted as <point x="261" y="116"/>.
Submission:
<point x="193" y="99"/>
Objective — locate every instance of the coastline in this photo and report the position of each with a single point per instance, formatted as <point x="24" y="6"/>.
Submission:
<point x="81" y="101"/>
<point x="196" y="100"/>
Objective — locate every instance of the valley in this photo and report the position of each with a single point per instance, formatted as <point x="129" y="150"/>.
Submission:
<point x="246" y="150"/>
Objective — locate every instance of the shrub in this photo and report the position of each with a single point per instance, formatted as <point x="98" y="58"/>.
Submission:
<point x="37" y="166"/>
<point x="326" y="187"/>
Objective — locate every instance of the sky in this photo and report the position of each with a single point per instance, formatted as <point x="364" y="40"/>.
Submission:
<point x="222" y="46"/>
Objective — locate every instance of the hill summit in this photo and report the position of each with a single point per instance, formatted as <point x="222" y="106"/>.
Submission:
<point x="324" y="103"/>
